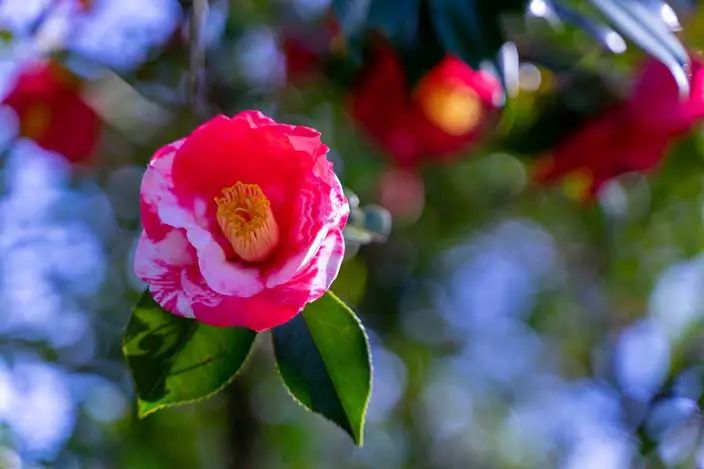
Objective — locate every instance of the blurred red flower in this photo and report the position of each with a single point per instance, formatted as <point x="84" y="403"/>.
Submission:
<point x="632" y="136"/>
<point x="452" y="107"/>
<point x="46" y="98"/>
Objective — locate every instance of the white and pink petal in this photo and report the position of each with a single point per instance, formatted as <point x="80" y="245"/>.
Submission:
<point x="323" y="268"/>
<point x="227" y="277"/>
<point x="333" y="209"/>
<point x="162" y="265"/>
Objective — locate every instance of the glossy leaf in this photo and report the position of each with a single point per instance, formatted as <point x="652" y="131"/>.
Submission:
<point x="509" y="67"/>
<point x="653" y="21"/>
<point x="603" y="34"/>
<point x="648" y="30"/>
<point x="175" y="360"/>
<point x="323" y="358"/>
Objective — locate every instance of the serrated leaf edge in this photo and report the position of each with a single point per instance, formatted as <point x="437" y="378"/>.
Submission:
<point x="369" y="360"/>
<point x="142" y="414"/>
<point x="359" y="442"/>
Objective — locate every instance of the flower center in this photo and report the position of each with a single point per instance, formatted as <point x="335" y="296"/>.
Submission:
<point x="35" y="121"/>
<point x="245" y="218"/>
<point x="455" y="109"/>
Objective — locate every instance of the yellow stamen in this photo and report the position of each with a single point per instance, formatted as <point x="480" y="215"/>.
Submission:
<point x="457" y="110"/>
<point x="35" y="121"/>
<point x="245" y="218"/>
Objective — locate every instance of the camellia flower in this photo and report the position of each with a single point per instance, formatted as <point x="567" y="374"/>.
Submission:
<point x="46" y="98"/>
<point x="451" y="107"/>
<point x="242" y="221"/>
<point x="632" y="136"/>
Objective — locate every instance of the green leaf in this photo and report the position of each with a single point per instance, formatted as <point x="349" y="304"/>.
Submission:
<point x="648" y="31"/>
<point x="603" y="34"/>
<point x="324" y="360"/>
<point x="176" y="360"/>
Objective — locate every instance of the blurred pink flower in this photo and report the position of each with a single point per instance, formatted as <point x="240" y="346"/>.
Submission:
<point x="452" y="107"/>
<point x="242" y="221"/>
<point x="632" y="136"/>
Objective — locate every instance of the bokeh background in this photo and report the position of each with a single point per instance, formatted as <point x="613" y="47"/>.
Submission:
<point x="511" y="326"/>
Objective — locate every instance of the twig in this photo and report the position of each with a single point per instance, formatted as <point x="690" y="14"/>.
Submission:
<point x="196" y="70"/>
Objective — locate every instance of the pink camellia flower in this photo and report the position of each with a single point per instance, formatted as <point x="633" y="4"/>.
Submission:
<point x="242" y="221"/>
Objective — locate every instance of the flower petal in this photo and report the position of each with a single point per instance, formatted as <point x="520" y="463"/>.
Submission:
<point x="160" y="206"/>
<point x="258" y="313"/>
<point x="334" y="219"/>
<point x="656" y="102"/>
<point x="254" y="118"/>
<point x="157" y="187"/>
<point x="171" y="270"/>
<point x="325" y="265"/>
<point x="224" y="276"/>
<point x="163" y="265"/>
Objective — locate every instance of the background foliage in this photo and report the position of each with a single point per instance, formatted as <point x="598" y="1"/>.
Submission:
<point x="510" y="326"/>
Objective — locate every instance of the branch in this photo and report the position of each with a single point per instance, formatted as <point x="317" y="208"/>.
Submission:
<point x="196" y="69"/>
